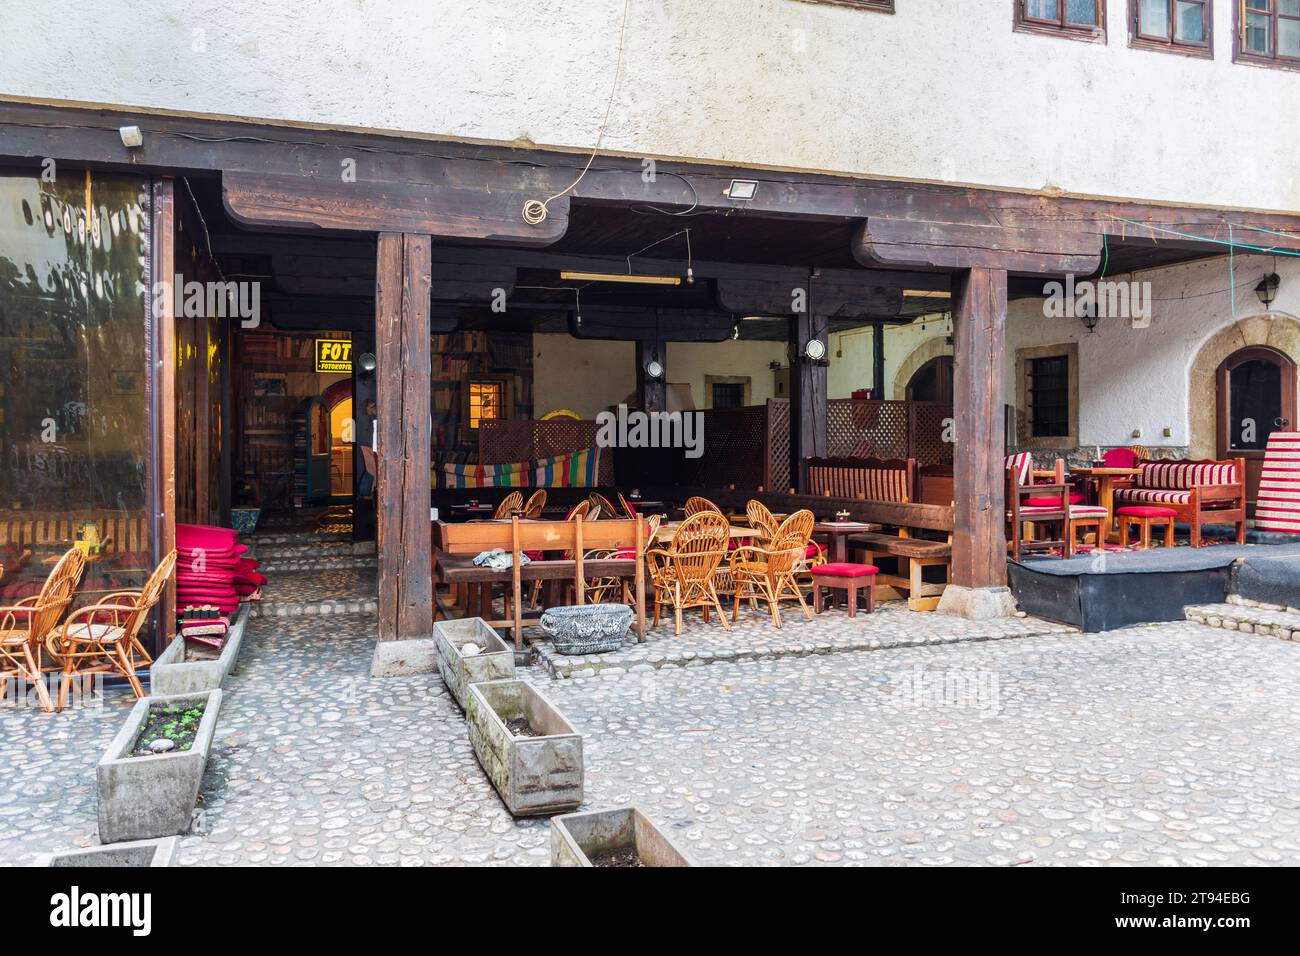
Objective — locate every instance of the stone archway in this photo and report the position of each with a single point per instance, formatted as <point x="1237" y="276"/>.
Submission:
<point x="927" y="351"/>
<point x="1276" y="329"/>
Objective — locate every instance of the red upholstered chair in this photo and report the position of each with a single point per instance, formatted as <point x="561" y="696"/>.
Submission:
<point x="846" y="577"/>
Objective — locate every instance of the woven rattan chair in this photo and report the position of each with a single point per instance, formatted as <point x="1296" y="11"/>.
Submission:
<point x="25" y="625"/>
<point x="536" y="502"/>
<point x="602" y="505"/>
<point x="102" y="638"/>
<point x="695" y="505"/>
<point x="683" y="573"/>
<point x="601" y="590"/>
<point x="509" y="505"/>
<point x="628" y="509"/>
<point x="770" y="572"/>
<point x="761" y="520"/>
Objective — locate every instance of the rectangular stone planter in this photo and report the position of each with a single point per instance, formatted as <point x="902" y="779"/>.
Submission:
<point x="495" y="660"/>
<point x="139" y="798"/>
<point x="138" y="853"/>
<point x="576" y="837"/>
<point x="533" y="775"/>
<point x="183" y="668"/>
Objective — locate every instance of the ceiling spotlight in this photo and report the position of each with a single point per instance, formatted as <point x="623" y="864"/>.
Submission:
<point x="132" y="138"/>
<point x="741" y="190"/>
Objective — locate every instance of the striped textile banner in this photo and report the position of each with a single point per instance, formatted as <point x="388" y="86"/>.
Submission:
<point x="578" y="469"/>
<point x="1278" y="505"/>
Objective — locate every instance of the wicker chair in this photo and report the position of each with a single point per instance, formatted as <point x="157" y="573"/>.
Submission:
<point x="682" y="573"/>
<point x="628" y="509"/>
<point x="770" y="573"/>
<point x="602" y="590"/>
<point x="102" y="638"/>
<point x="582" y="511"/>
<point x="602" y="505"/>
<point x="536" y="502"/>
<point x="761" y="520"/>
<point x="509" y="505"/>
<point x="695" y="505"/>
<point x="24" y="626"/>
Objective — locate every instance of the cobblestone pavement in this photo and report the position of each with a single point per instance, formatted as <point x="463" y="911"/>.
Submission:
<point x="1169" y="744"/>
<point x="753" y="637"/>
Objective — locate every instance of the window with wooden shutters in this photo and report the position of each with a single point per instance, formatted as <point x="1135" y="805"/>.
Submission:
<point x="1268" y="33"/>
<point x="1049" y="396"/>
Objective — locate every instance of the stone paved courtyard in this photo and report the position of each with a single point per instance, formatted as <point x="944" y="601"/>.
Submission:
<point x="1169" y="744"/>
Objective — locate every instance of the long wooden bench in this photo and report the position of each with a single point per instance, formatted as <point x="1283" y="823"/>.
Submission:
<point x="456" y="544"/>
<point x="914" y="555"/>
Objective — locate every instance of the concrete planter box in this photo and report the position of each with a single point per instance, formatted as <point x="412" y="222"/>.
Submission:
<point x="495" y="660"/>
<point x="140" y="853"/>
<point x="533" y="775"/>
<point x="139" y="798"/>
<point x="576" y="837"/>
<point x="184" y="668"/>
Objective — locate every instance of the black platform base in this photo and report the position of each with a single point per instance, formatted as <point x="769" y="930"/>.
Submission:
<point x="1103" y="602"/>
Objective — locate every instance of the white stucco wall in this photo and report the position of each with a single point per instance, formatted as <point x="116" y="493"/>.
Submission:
<point x="940" y="91"/>
<point x="586" y="376"/>
<point x="689" y="362"/>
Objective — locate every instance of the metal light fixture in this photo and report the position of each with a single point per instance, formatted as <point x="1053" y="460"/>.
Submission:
<point x="626" y="279"/>
<point x="131" y="136"/>
<point x="814" y="350"/>
<point x="1267" y="288"/>
<point x="366" y="363"/>
<point x="654" y="369"/>
<point x="741" y="190"/>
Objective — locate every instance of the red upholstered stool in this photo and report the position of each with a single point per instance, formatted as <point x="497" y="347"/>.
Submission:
<point x="849" y="578"/>
<point x="1145" y="516"/>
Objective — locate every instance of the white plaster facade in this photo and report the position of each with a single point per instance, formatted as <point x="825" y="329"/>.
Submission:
<point x="939" y="91"/>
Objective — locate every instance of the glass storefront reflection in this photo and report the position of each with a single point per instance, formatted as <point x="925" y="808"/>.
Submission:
<point x="73" y="414"/>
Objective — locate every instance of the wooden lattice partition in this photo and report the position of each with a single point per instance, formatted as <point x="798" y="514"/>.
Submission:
<point x="735" y="450"/>
<point x="778" y="444"/>
<point x="861" y="428"/>
<point x="500" y="443"/>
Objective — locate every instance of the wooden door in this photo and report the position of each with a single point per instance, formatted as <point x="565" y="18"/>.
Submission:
<point x="932" y="382"/>
<point x="1256" y="397"/>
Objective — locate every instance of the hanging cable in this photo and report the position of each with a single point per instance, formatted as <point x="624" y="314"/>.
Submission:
<point x="535" y="210"/>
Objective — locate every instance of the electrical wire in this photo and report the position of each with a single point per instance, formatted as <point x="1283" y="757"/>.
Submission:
<point x="535" y="210"/>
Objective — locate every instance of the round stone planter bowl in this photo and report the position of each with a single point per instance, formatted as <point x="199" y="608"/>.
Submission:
<point x="587" y="628"/>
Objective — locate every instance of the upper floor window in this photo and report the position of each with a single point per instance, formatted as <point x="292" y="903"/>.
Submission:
<point x="1080" y="19"/>
<point x="1179" y="26"/>
<point x="1268" y="31"/>
<point x="884" y="6"/>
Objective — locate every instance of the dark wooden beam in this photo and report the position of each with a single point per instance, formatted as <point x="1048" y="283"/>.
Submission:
<point x="834" y="298"/>
<point x="979" y="325"/>
<point x="405" y="545"/>
<point x="364" y="407"/>
<point x="652" y="394"/>
<point x="949" y="245"/>
<point x="808" y="395"/>
<point x="162" y="262"/>
<point x="878" y="361"/>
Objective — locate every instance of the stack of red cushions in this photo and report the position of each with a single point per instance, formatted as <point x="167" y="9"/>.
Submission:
<point x="209" y="569"/>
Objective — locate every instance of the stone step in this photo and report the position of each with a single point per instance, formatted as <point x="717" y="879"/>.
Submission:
<point x="280" y="564"/>
<point x="1269" y="620"/>
<point x="330" y="606"/>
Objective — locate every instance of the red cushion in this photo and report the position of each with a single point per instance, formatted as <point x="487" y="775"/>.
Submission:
<point x="1041" y="503"/>
<point x="845" y="570"/>
<point x="813" y="550"/>
<point x="1120" y="458"/>
<point x="1076" y="498"/>
<point x="1147" y="511"/>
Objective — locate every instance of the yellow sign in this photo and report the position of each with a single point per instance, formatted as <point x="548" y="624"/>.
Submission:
<point x="333" y="355"/>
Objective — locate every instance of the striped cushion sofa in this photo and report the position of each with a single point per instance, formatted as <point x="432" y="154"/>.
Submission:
<point x="871" y="479"/>
<point x="1201" y="492"/>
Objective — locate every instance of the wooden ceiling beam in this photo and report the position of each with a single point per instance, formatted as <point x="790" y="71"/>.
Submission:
<point x="949" y="245"/>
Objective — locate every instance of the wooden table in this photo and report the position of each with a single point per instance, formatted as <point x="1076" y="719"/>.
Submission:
<point x="838" y="532"/>
<point x="737" y="531"/>
<point x="1106" y="479"/>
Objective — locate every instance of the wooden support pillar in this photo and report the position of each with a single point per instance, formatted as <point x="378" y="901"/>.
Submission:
<point x="163" y="328"/>
<point x="807" y="396"/>
<point x="652" y="393"/>
<point x="405" y="540"/>
<point x="979" y="560"/>
<point x="878" y="360"/>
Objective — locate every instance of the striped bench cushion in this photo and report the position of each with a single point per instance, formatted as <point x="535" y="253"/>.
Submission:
<point x="1278" y="504"/>
<point x="1022" y="466"/>
<point x="1181" y="475"/>
<point x="1150" y="496"/>
<point x="873" y="484"/>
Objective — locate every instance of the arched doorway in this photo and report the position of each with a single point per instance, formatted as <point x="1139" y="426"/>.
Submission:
<point x="1256" y="396"/>
<point x="932" y="382"/>
<point x="338" y="401"/>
